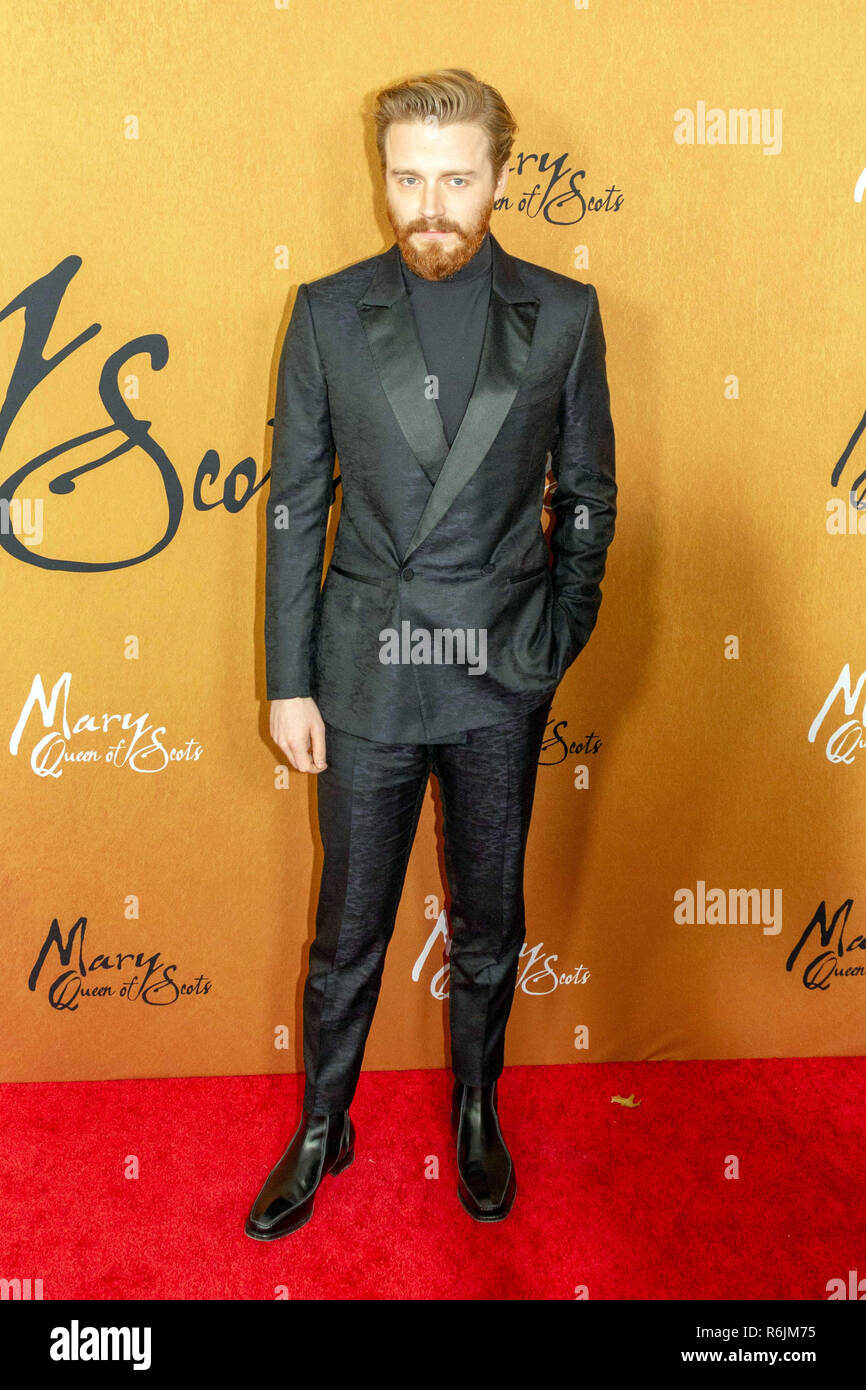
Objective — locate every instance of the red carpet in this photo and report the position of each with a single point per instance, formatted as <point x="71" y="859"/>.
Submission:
<point x="631" y="1202"/>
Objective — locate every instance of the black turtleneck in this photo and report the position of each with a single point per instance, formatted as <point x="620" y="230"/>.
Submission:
<point x="451" y="316"/>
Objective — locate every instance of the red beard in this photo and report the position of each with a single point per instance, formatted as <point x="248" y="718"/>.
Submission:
<point x="434" y="261"/>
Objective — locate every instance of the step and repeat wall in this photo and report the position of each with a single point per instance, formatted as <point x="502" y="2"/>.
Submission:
<point x="171" y="173"/>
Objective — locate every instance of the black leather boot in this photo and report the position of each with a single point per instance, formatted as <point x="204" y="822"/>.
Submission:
<point x="321" y="1144"/>
<point x="486" y="1183"/>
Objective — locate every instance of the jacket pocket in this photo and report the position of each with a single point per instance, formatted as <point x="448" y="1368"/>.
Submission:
<point x="528" y="574"/>
<point x="350" y="574"/>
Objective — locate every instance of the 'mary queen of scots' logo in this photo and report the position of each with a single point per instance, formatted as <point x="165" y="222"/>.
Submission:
<point x="124" y="740"/>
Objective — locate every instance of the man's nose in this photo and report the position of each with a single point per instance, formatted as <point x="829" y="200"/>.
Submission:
<point x="432" y="205"/>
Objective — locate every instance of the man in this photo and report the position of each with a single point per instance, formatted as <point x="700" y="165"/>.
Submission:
<point x="443" y="373"/>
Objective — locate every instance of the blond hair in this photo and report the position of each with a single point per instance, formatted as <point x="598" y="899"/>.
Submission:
<point x="448" y="95"/>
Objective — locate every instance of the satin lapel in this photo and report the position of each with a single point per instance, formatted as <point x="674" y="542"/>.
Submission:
<point x="399" y="358"/>
<point x="387" y="316"/>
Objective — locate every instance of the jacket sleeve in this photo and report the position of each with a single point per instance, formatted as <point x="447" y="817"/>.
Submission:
<point x="299" y="500"/>
<point x="584" y="499"/>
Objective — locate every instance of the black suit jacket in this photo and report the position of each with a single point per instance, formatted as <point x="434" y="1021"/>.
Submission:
<point x="441" y="541"/>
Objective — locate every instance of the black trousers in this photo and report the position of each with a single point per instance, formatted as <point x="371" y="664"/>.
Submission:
<point x="369" y="801"/>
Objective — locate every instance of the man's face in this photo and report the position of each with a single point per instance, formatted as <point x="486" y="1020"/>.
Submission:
<point x="439" y="191"/>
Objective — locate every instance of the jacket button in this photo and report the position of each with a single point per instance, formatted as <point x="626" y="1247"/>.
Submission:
<point x="407" y="574"/>
<point x="488" y="569"/>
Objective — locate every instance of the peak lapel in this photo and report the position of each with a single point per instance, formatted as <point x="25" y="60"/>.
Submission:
<point x="386" y="313"/>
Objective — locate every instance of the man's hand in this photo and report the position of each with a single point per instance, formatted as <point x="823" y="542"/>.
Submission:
<point x="295" y="724"/>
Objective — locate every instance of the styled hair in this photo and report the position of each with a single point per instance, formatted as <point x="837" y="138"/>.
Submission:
<point x="449" y="95"/>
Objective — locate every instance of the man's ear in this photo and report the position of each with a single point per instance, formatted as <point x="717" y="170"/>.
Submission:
<point x="501" y="182"/>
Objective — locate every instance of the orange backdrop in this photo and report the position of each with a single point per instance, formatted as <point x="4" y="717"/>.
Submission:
<point x="170" y="176"/>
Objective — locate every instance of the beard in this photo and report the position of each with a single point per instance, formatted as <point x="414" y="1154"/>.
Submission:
<point x="432" y="260"/>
